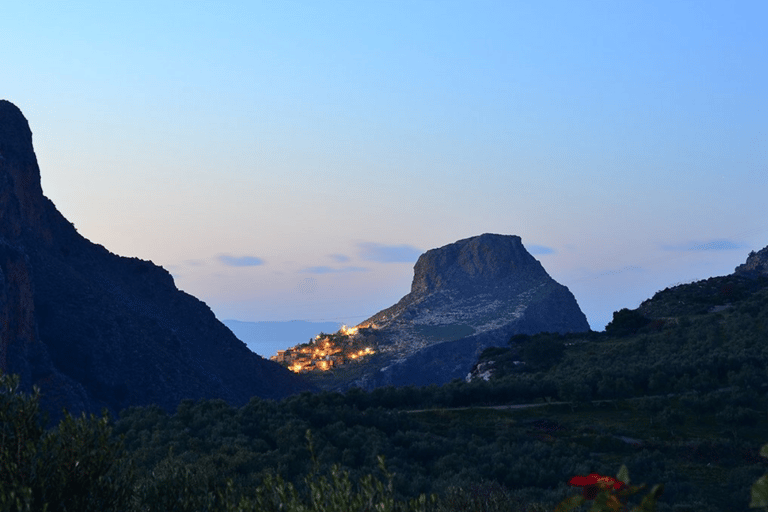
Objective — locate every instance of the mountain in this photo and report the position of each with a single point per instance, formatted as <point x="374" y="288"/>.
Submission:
<point x="266" y="338"/>
<point x="464" y="297"/>
<point x="703" y="313"/>
<point x="92" y="329"/>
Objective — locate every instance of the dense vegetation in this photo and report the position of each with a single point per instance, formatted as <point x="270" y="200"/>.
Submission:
<point x="675" y="390"/>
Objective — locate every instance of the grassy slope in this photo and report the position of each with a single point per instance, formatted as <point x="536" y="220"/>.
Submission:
<point x="708" y="448"/>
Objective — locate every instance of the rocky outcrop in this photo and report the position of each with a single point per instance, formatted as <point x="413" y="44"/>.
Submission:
<point x="481" y="370"/>
<point x="757" y="263"/>
<point x="93" y="329"/>
<point x="465" y="297"/>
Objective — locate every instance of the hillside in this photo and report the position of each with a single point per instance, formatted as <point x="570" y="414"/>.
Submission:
<point x="706" y="329"/>
<point x="96" y="330"/>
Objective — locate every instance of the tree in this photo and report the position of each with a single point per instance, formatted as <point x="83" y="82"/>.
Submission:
<point x="626" y="322"/>
<point x="75" y="466"/>
<point x="543" y="351"/>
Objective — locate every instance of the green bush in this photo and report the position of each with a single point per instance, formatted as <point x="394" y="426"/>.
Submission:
<point x="739" y="415"/>
<point x="334" y="493"/>
<point x="76" y="466"/>
<point x="80" y="464"/>
<point x="543" y="351"/>
<point x="626" y="322"/>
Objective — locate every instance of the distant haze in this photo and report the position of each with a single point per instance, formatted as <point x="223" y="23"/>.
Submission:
<point x="291" y="160"/>
<point x="266" y="338"/>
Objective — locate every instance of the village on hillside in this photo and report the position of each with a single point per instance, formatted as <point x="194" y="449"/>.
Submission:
<point x="327" y="351"/>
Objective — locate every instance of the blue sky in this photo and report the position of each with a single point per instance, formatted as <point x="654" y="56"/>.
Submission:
<point x="290" y="160"/>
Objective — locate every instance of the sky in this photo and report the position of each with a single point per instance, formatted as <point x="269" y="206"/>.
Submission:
<point x="290" y="160"/>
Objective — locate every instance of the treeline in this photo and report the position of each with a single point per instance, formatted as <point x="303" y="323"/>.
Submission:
<point x="641" y="355"/>
<point x="208" y="455"/>
<point x="288" y="456"/>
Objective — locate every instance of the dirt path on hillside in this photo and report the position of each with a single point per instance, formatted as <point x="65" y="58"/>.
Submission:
<point x="543" y="404"/>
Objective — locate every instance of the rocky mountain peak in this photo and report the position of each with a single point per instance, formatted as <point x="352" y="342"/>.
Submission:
<point x="15" y="135"/>
<point x="92" y="329"/>
<point x="466" y="296"/>
<point x="473" y="263"/>
<point x="21" y="197"/>
<point x="757" y="262"/>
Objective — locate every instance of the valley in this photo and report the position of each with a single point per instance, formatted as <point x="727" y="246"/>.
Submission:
<point x="482" y="387"/>
<point x="680" y="403"/>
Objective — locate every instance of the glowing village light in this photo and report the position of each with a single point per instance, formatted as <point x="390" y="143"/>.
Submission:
<point x="348" y="331"/>
<point x="323" y="348"/>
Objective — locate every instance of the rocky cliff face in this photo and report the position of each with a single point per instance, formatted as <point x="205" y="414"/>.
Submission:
<point x="93" y="329"/>
<point x="757" y="263"/>
<point x="465" y="297"/>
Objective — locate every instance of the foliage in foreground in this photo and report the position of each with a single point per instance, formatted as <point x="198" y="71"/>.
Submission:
<point x="75" y="466"/>
<point x="79" y="465"/>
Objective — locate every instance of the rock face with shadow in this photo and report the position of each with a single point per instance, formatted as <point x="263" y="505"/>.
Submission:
<point x="92" y="329"/>
<point x="756" y="264"/>
<point x="465" y="297"/>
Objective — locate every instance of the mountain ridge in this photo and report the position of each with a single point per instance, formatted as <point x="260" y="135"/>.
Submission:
<point x="92" y="329"/>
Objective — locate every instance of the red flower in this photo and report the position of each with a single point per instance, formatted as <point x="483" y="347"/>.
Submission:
<point x="594" y="483"/>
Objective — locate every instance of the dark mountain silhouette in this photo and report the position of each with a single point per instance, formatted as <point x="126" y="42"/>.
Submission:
<point x="465" y="297"/>
<point x="92" y="329"/>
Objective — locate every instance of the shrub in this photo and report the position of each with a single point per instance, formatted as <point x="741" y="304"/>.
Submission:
<point x="75" y="466"/>
<point x="626" y="322"/>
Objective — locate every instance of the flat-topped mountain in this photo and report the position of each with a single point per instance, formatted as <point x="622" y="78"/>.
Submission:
<point x="465" y="296"/>
<point x="478" y="284"/>
<point x="92" y="329"/>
